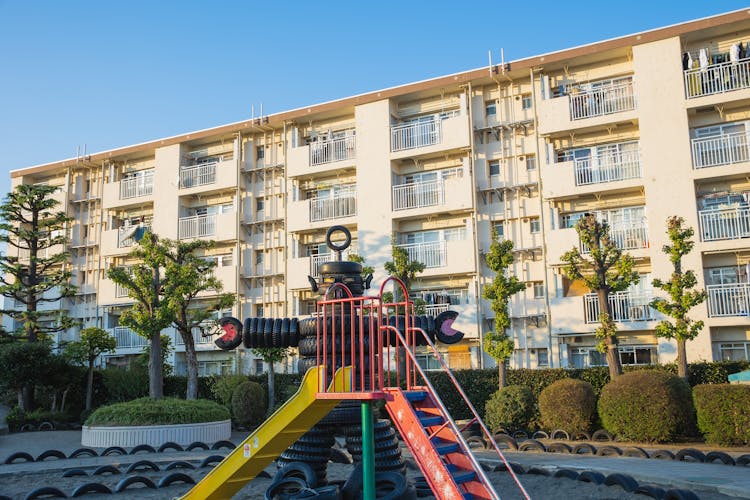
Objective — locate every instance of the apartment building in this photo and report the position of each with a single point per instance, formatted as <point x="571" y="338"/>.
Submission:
<point x="633" y="129"/>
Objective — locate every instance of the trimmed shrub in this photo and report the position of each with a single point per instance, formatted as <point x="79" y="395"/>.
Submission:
<point x="647" y="405"/>
<point x="511" y="407"/>
<point x="723" y="413"/>
<point x="125" y="384"/>
<point x="248" y="404"/>
<point x="223" y="387"/>
<point x="568" y="404"/>
<point x="147" y="411"/>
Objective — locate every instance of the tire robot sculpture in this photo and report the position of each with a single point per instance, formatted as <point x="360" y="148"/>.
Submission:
<point x="316" y="447"/>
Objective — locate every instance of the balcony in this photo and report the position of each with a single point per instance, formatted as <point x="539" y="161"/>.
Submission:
<point x="199" y="175"/>
<point x="220" y="173"/>
<point x="418" y="195"/>
<point x="339" y="149"/>
<point x="129" y="191"/>
<point x="728" y="300"/>
<point x="626" y="307"/>
<point x="626" y="237"/>
<point x="333" y="208"/>
<point x="127" y="338"/>
<point x="717" y="79"/>
<point x="607" y="168"/>
<point x="724" y="223"/>
<point x="416" y="135"/>
<point x="197" y="226"/>
<point x="432" y="254"/>
<point x="443" y="132"/>
<point x="605" y="100"/>
<point x="721" y="150"/>
<point x="435" y="309"/>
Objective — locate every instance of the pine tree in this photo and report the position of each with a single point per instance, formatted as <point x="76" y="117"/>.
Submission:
<point x="94" y="342"/>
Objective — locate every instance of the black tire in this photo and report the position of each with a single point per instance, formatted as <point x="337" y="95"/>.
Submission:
<point x="175" y="477"/>
<point x="179" y="464"/>
<point x="142" y="465"/>
<point x="294" y="456"/>
<point x="510" y="442"/>
<point x="106" y="469"/>
<point x="74" y="473"/>
<point x="385" y="434"/>
<point x="560" y="434"/>
<point x="581" y="436"/>
<point x="662" y="455"/>
<point x="713" y="456"/>
<point x="680" y="494"/>
<point x="197" y="445"/>
<point x="584" y="448"/>
<point x="87" y="488"/>
<point x="256" y="325"/>
<point x="520" y="435"/>
<point x="247" y="329"/>
<point x="286" y="486"/>
<point x="390" y="485"/>
<point x="276" y="333"/>
<point x="294" y="332"/>
<point x="635" y="452"/>
<point x="114" y="450"/>
<point x="51" y="453"/>
<point x="538" y="471"/>
<point x="540" y="435"/>
<point x="444" y="331"/>
<point x="304" y="364"/>
<point x="19" y="455"/>
<point x="45" y="491"/>
<point x="476" y="442"/>
<point x="232" y="336"/>
<point x="211" y="460"/>
<point x="47" y="426"/>
<point x="608" y="450"/>
<point x="566" y="473"/>
<point x="558" y="447"/>
<point x="301" y="470"/>
<point x="591" y="476"/>
<point x="690" y="455"/>
<point x="223" y="444"/>
<point x="268" y="332"/>
<point x="124" y="483"/>
<point x="285" y="333"/>
<point x="338" y="456"/>
<point x="514" y="466"/>
<point x="353" y="484"/>
<point x="308" y="327"/>
<point x="650" y="490"/>
<point x="169" y="445"/>
<point x="742" y="460"/>
<point x="308" y="346"/>
<point x="532" y="445"/>
<point x="622" y="480"/>
<point x="83" y="452"/>
<point x="602" y="436"/>
<point x="142" y="447"/>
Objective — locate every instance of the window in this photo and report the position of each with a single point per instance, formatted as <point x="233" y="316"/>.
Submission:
<point x="490" y="108"/>
<point x="259" y="204"/>
<point x="538" y="289"/>
<point x="542" y="356"/>
<point x="259" y="311"/>
<point x="531" y="163"/>
<point x="259" y="255"/>
<point x="534" y="225"/>
<point x="429" y="362"/>
<point x="584" y="357"/>
<point x="499" y="228"/>
<point x="261" y="152"/>
<point x="526" y="102"/>
<point x="637" y="355"/>
<point x="258" y="366"/>
<point x="494" y="167"/>
<point x="226" y="208"/>
<point x="735" y="351"/>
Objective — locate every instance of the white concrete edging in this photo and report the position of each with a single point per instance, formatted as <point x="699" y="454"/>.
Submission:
<point x="155" y="435"/>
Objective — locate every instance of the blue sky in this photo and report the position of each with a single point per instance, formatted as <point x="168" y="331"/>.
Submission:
<point x="113" y="73"/>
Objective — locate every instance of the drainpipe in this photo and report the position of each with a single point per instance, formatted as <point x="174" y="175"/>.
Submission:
<point x="286" y="235"/>
<point x="99" y="319"/>
<point x="475" y="225"/>
<point x="541" y="220"/>
<point x="238" y="219"/>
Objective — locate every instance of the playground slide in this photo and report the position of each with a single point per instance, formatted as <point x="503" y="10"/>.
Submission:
<point x="276" y="434"/>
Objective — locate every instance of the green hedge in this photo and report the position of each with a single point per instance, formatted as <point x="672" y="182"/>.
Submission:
<point x="511" y="408"/>
<point x="147" y="411"/>
<point x="723" y="413"/>
<point x="568" y="404"/>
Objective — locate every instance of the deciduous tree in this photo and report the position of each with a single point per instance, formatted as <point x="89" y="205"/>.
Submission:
<point x="94" y="342"/>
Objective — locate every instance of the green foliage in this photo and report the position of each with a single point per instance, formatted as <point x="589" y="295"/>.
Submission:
<point x="511" y="408"/>
<point x="248" y="403"/>
<point x="23" y="363"/>
<point x="124" y="385"/>
<point x="271" y="354"/>
<point x="718" y="372"/>
<point x="223" y="387"/>
<point x="647" y="405"/>
<point x="366" y="270"/>
<point x="142" y="360"/>
<point x="17" y="418"/>
<point x="723" y="413"/>
<point x="31" y="228"/>
<point x="568" y="404"/>
<point x="402" y="267"/>
<point x="94" y="341"/>
<point x="148" y="411"/>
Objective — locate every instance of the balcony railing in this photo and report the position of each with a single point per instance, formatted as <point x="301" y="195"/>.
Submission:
<point x="137" y="186"/>
<point x="197" y="226"/>
<point x="418" y="195"/>
<point x="120" y="291"/>
<point x="435" y="309"/>
<point x="433" y="254"/>
<point x="607" y="168"/>
<point x="626" y="307"/>
<point x="198" y="175"/>
<point x="722" y="150"/>
<point x="197" y="335"/>
<point x="725" y="223"/>
<point x="628" y="237"/>
<point x="131" y="240"/>
<point x="717" y="78"/>
<point x="416" y="135"/>
<point x="127" y="338"/>
<point x="333" y="208"/>
<point x="728" y="300"/>
<point x="339" y="149"/>
<point x="602" y="101"/>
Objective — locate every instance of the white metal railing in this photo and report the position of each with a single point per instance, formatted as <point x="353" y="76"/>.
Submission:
<point x="120" y="291"/>
<point x="333" y="208"/>
<point x="198" y="175"/>
<point x="432" y="254"/>
<point x="197" y="226"/>
<point x="127" y="338"/>
<point x="607" y="167"/>
<point x="435" y="309"/>
<point x="721" y="150"/>
<point x="317" y="260"/>
<point x="416" y="135"/>
<point x="625" y="306"/>
<point x="717" y="78"/>
<point x="333" y="150"/>
<point x="626" y="237"/>
<point x="198" y="337"/>
<point x="604" y="100"/>
<point x="728" y="300"/>
<point x="420" y="194"/>
<point x="137" y="186"/>
<point x="724" y="223"/>
<point x="129" y="242"/>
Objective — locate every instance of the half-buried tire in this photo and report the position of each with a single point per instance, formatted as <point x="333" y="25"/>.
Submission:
<point x="232" y="336"/>
<point x="444" y="328"/>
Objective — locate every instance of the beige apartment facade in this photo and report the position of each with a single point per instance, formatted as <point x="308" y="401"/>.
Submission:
<point x="634" y="130"/>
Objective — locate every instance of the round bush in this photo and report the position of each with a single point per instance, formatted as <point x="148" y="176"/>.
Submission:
<point x="248" y="403"/>
<point x="647" y="405"/>
<point x="723" y="413"/>
<point x="147" y="411"/>
<point x="568" y="404"/>
<point x="511" y="407"/>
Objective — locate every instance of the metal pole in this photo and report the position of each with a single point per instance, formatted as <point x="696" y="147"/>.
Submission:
<point x="368" y="452"/>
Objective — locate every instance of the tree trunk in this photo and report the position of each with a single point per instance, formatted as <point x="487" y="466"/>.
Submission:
<point x="613" y="358"/>
<point x="155" y="376"/>
<point x="271" y="387"/>
<point x="90" y="385"/>
<point x="27" y="397"/>
<point x="191" y="360"/>
<point x="682" y="365"/>
<point x="501" y="373"/>
<point x="20" y="400"/>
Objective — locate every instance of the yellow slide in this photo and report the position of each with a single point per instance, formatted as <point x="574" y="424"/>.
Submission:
<point x="275" y="435"/>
